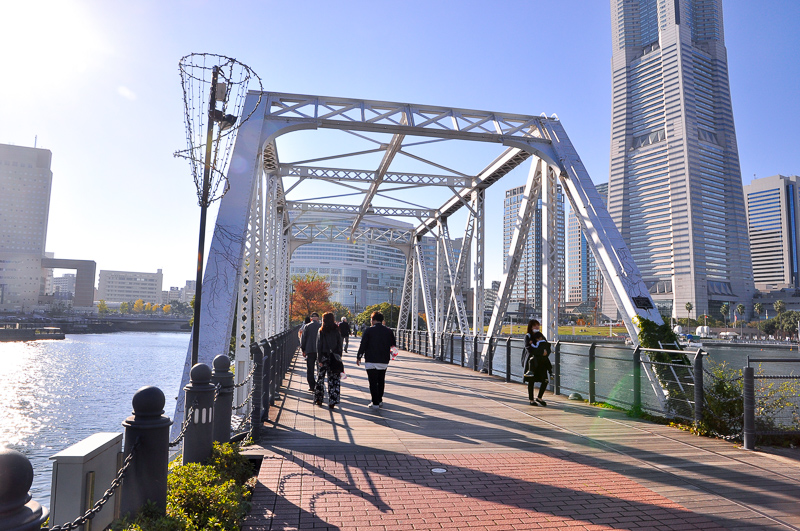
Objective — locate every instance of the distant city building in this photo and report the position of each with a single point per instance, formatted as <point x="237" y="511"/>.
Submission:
<point x="64" y="286"/>
<point x="25" y="182"/>
<point x="174" y="294"/>
<point x="490" y="295"/>
<point x="584" y="281"/>
<point x="527" y="290"/>
<point x="127" y="286"/>
<point x="361" y="274"/>
<point x="188" y="291"/>
<point x="675" y="187"/>
<point x="773" y="220"/>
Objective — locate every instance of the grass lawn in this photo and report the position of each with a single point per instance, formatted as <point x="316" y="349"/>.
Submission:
<point x="567" y="330"/>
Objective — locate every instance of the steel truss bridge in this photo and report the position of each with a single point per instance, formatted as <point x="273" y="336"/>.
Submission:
<point x="260" y="221"/>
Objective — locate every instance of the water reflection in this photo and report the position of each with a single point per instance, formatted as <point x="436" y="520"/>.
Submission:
<point x="55" y="393"/>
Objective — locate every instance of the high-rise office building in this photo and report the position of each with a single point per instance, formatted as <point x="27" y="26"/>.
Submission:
<point x="675" y="187"/>
<point x="774" y="223"/>
<point x="527" y="290"/>
<point x="25" y="181"/>
<point x="584" y="281"/>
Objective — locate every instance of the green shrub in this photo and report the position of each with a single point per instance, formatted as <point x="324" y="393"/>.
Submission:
<point x="226" y="459"/>
<point x="201" y="497"/>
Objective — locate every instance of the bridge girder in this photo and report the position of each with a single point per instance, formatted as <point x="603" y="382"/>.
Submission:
<point x="286" y="222"/>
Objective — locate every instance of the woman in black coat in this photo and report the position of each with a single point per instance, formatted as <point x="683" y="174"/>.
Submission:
<point x="536" y="362"/>
<point x="329" y="360"/>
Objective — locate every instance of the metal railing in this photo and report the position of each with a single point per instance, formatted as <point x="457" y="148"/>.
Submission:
<point x="611" y="373"/>
<point x="771" y="399"/>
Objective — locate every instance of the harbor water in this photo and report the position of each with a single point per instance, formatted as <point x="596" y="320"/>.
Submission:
<point x="56" y="393"/>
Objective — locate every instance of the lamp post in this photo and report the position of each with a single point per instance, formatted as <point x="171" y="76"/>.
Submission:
<point x="355" y="309"/>
<point x="391" y="306"/>
<point x="291" y="305"/>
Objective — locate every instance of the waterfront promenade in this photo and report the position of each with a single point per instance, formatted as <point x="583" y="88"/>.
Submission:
<point x="455" y="449"/>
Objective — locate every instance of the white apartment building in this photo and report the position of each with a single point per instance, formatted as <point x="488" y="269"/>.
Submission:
<point x="25" y="182"/>
<point x="675" y="187"/>
<point x="128" y="286"/>
<point x="527" y="290"/>
<point x="774" y="224"/>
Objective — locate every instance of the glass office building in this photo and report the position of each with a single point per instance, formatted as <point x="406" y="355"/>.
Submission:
<point x="584" y="281"/>
<point x="772" y="218"/>
<point x="675" y="187"/>
<point x="527" y="290"/>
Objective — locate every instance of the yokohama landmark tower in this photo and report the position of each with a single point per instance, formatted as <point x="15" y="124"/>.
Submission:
<point x="675" y="187"/>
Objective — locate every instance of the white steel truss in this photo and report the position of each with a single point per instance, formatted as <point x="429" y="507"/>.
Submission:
<point x="250" y="273"/>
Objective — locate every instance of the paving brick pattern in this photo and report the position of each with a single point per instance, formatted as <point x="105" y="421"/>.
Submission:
<point x="507" y="465"/>
<point x="509" y="491"/>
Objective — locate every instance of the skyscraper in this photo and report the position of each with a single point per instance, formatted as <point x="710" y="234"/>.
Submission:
<point x="774" y="224"/>
<point x="675" y="187"/>
<point x="584" y="281"/>
<point x="25" y="181"/>
<point x="527" y="290"/>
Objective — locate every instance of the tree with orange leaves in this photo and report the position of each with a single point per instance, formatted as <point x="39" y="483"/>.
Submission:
<point x="311" y="293"/>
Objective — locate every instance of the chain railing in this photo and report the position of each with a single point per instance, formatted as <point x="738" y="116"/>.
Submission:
<point x="98" y="505"/>
<point x="187" y="421"/>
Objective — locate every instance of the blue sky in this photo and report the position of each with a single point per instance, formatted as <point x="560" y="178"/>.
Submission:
<point x="97" y="82"/>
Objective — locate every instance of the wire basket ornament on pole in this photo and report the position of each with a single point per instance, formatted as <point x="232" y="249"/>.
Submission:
<point x="214" y="90"/>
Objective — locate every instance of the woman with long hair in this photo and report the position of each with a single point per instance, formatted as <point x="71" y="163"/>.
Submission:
<point x="536" y="362"/>
<point x="329" y="360"/>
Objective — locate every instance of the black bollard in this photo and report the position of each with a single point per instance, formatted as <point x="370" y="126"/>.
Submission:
<point x="199" y="436"/>
<point x="222" y="376"/>
<point x="146" y="478"/>
<point x="18" y="512"/>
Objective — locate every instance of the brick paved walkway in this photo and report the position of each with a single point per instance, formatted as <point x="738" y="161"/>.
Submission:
<point x="453" y="449"/>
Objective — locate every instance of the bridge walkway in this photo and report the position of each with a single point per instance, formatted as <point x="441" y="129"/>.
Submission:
<point x="455" y="449"/>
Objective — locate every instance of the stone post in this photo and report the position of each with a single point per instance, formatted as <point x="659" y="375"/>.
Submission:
<point x="699" y="396"/>
<point x="221" y="375"/>
<point x="18" y="512"/>
<point x="146" y="478"/>
<point x="749" y="398"/>
<point x="199" y="436"/>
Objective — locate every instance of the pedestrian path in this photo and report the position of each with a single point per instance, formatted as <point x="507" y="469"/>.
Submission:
<point x="455" y="449"/>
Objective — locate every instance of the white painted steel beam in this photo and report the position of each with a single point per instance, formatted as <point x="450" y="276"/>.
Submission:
<point x="515" y="251"/>
<point x="355" y="210"/>
<point x="550" y="279"/>
<point x="368" y="176"/>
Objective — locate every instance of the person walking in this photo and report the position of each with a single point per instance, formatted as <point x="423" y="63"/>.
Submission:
<point x="344" y="330"/>
<point x="308" y="346"/>
<point x="329" y="361"/>
<point x="300" y="331"/>
<point x="376" y="344"/>
<point x="536" y="362"/>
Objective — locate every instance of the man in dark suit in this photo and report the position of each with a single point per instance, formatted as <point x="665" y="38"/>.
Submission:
<point x="344" y="331"/>
<point x="375" y="348"/>
<point x="308" y="346"/>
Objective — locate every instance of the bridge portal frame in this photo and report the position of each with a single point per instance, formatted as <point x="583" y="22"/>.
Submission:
<point x="247" y="275"/>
